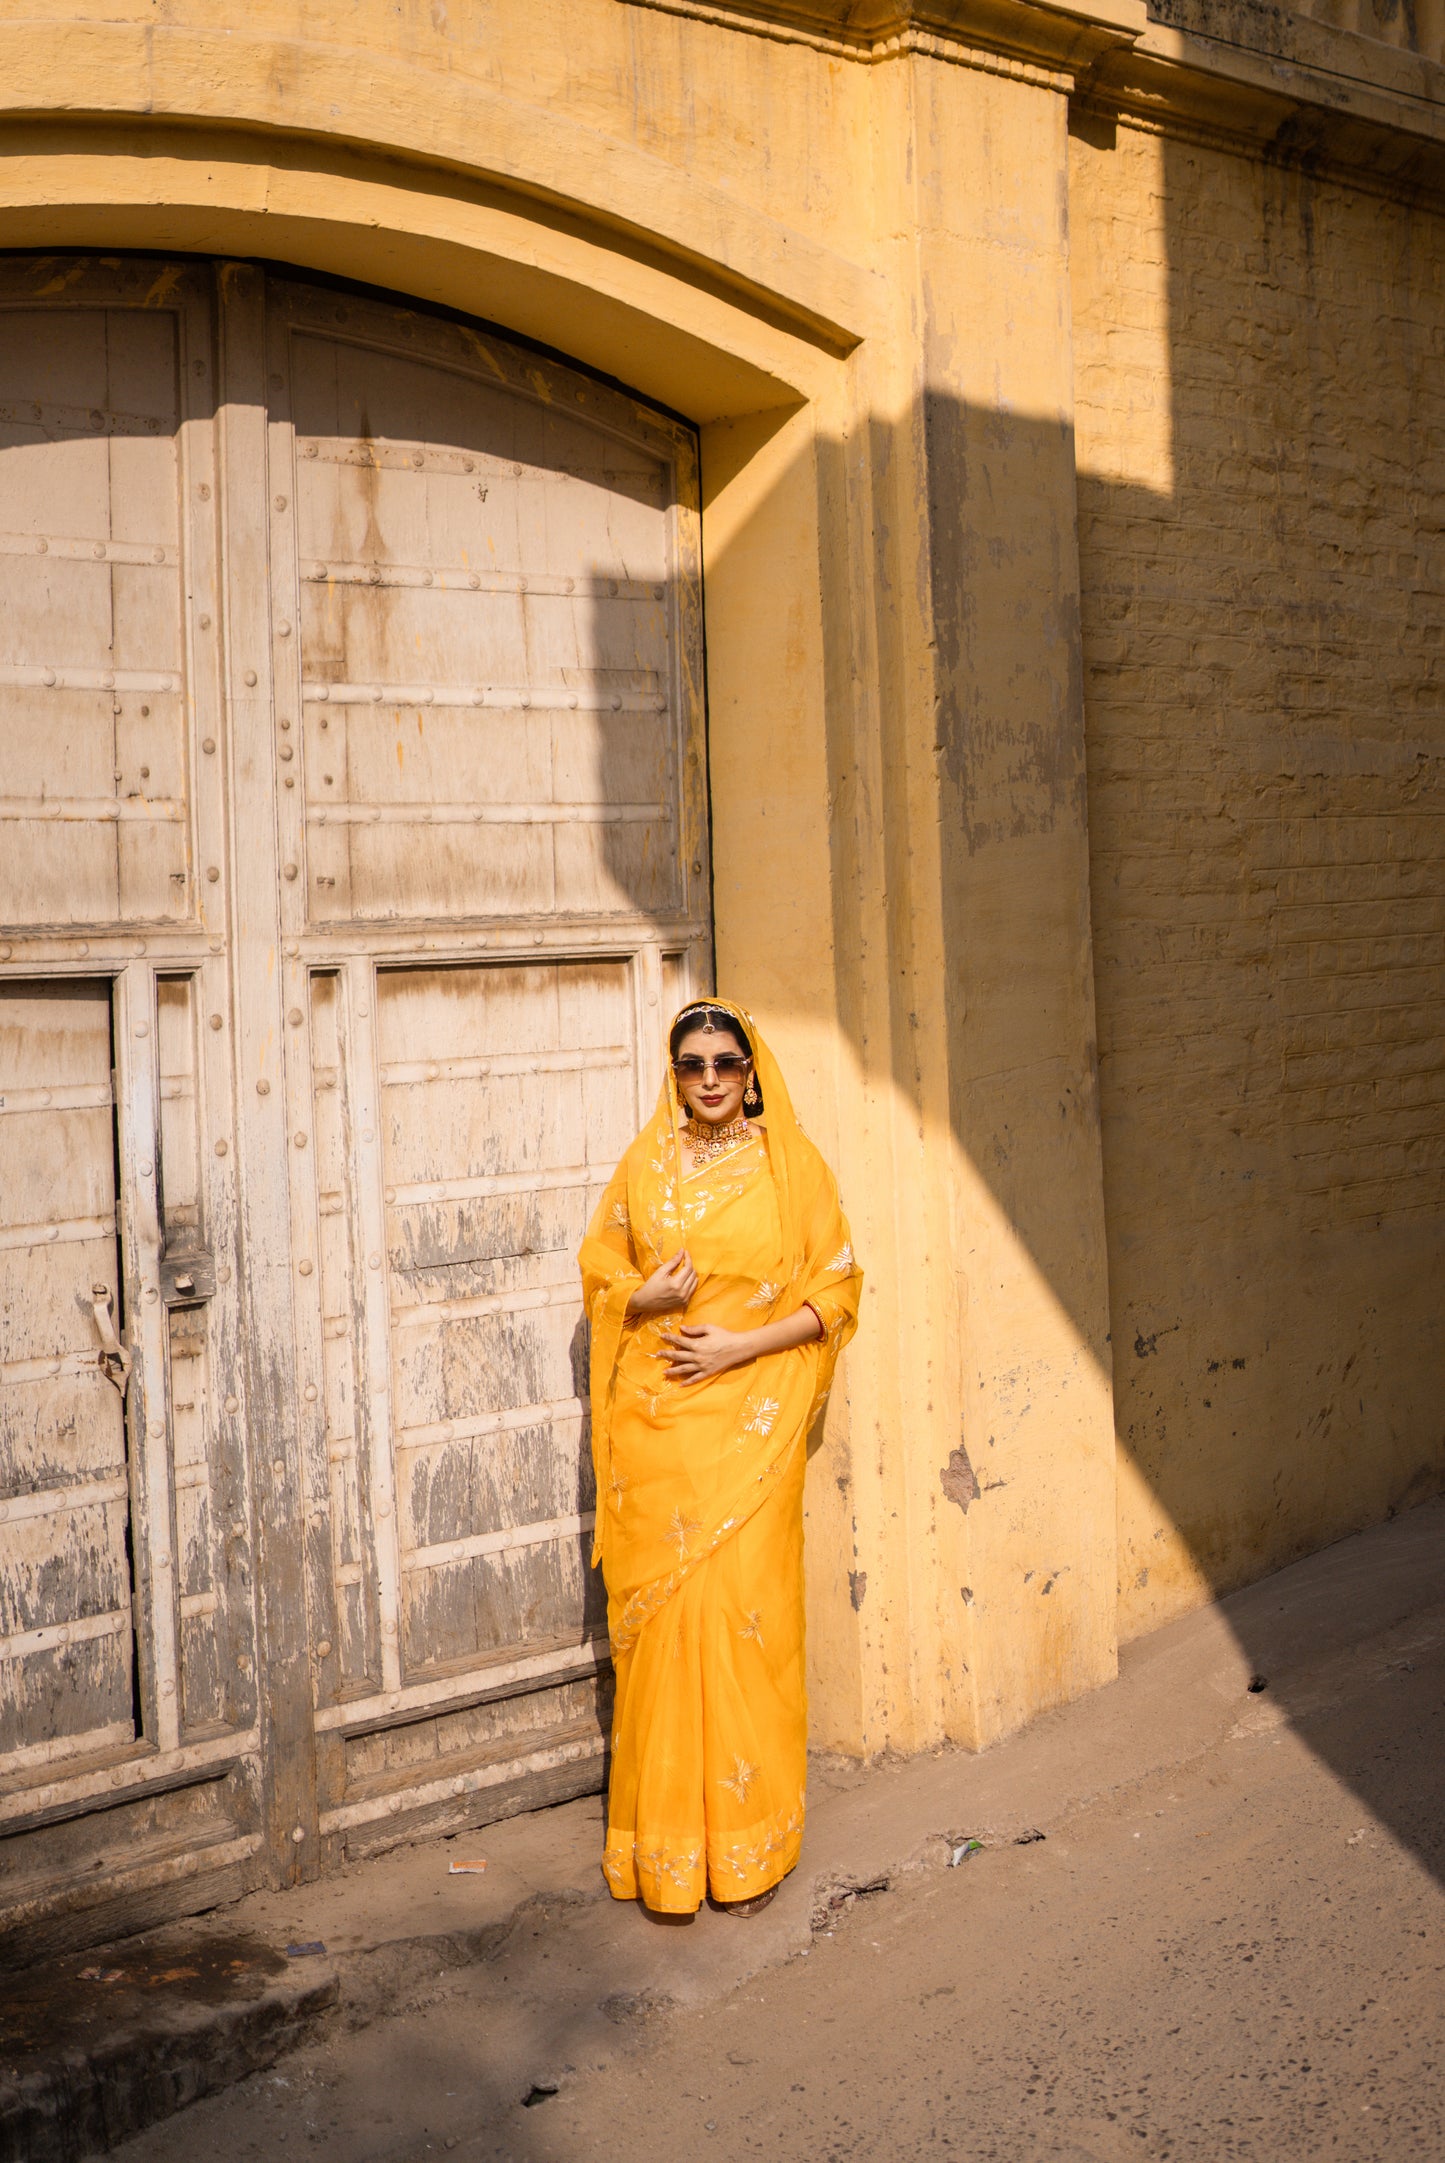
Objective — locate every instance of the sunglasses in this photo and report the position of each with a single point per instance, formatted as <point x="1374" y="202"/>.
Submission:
<point x="731" y="1066"/>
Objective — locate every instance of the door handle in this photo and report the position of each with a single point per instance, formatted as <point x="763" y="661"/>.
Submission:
<point x="113" y="1357"/>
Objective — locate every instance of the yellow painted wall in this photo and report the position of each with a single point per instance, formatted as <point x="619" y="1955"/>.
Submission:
<point x="868" y="262"/>
<point x="1261" y="369"/>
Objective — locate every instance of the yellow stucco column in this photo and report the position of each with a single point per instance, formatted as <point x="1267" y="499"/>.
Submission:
<point x="972" y="1493"/>
<point x="1024" y="1504"/>
<point x="901" y="857"/>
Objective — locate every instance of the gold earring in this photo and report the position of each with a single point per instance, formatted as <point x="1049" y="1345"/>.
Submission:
<point x="751" y="1099"/>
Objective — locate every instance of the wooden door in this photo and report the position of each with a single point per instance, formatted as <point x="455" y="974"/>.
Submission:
<point x="66" y="1622"/>
<point x="489" y="690"/>
<point x="352" y="846"/>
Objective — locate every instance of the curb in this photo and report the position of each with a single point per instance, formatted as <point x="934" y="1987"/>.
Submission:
<point x="100" y="2045"/>
<point x="67" y="2092"/>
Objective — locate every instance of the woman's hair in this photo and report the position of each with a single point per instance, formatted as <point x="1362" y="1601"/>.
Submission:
<point x="703" y="1016"/>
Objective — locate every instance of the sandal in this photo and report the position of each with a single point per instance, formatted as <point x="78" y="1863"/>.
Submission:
<point x="749" y="1907"/>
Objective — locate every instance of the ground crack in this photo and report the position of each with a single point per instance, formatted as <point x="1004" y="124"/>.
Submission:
<point x="836" y="1897"/>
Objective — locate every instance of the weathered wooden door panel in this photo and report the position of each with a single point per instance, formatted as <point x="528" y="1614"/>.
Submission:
<point x="66" y="1651"/>
<point x="507" y="1095"/>
<point x="92" y="737"/>
<point x="487" y="639"/>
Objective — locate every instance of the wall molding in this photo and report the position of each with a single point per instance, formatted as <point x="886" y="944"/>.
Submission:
<point x="1282" y="114"/>
<point x="1304" y="93"/>
<point x="1050" y="46"/>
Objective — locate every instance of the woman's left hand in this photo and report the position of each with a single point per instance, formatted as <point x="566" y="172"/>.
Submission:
<point x="699" y="1350"/>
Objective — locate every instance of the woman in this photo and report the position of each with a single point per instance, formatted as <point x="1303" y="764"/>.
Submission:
<point x="698" y="1434"/>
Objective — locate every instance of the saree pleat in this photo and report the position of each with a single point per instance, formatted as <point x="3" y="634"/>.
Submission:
<point x="699" y="1490"/>
<point x="710" y="1743"/>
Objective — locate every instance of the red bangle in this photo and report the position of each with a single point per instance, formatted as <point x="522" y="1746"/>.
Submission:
<point x="822" y="1325"/>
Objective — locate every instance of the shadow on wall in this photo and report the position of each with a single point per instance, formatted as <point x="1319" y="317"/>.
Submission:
<point x="1265" y="713"/>
<point x="1264" y="767"/>
<point x="1266" y="746"/>
<point x="1266" y="740"/>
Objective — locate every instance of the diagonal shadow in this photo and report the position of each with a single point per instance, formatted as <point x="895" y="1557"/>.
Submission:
<point x="1263" y="764"/>
<point x="1266" y="754"/>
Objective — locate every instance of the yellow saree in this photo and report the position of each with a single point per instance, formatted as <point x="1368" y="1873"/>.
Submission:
<point x="700" y="1499"/>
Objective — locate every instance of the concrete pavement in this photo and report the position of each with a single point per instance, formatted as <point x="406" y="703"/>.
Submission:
<point x="521" y="2013"/>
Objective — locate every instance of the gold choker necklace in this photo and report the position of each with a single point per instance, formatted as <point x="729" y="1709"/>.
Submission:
<point x="707" y="1143"/>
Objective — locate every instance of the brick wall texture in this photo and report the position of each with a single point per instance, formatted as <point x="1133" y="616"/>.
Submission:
<point x="1260" y="384"/>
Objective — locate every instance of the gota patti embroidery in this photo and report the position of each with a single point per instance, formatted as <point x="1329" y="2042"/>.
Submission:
<point x="738" y="1865"/>
<point x="681" y="1530"/>
<point x="759" y="1858"/>
<point x="680" y="1868"/>
<point x="740" y="1779"/>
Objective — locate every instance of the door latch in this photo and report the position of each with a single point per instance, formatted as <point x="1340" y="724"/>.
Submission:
<point x="188" y="1277"/>
<point x="113" y="1358"/>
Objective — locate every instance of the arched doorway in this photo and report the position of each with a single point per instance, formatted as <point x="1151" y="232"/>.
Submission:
<point x="352" y="845"/>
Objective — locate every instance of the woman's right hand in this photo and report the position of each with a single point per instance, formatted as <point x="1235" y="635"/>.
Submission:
<point x="670" y="1286"/>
